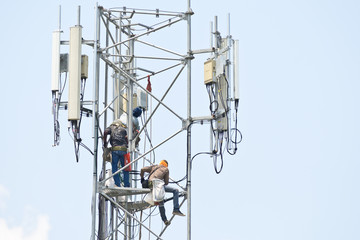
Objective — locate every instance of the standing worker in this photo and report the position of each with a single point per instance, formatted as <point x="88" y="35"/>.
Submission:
<point x="136" y="127"/>
<point x="119" y="143"/>
<point x="161" y="171"/>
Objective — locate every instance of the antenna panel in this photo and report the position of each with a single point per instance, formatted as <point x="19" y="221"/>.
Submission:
<point x="55" y="68"/>
<point x="236" y="69"/>
<point x="74" y="73"/>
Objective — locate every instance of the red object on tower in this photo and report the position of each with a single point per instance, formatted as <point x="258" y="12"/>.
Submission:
<point x="148" y="87"/>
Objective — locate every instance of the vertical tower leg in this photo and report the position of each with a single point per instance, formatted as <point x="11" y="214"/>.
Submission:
<point x="95" y="118"/>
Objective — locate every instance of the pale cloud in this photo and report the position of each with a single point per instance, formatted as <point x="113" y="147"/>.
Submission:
<point x="40" y="232"/>
<point x="34" y="227"/>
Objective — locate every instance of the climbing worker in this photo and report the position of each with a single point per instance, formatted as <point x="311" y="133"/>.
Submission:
<point x="119" y="142"/>
<point x="161" y="171"/>
<point x="136" y="127"/>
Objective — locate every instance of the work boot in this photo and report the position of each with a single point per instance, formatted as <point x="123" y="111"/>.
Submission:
<point x="167" y="222"/>
<point x="178" y="213"/>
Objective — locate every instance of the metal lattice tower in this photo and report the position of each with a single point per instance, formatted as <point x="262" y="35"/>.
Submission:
<point x="118" y="54"/>
<point x="122" y="74"/>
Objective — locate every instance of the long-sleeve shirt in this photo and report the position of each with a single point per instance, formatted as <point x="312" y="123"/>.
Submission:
<point x="118" y="135"/>
<point x="159" y="172"/>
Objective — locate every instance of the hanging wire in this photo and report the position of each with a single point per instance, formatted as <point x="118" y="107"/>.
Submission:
<point x="232" y="130"/>
<point x="56" y="102"/>
<point x="75" y="126"/>
<point x="213" y="102"/>
<point x="215" y="159"/>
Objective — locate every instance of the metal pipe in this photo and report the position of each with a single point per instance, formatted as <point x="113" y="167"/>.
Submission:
<point x="236" y="69"/>
<point x="129" y="214"/>
<point x="216" y="24"/>
<point x="229" y="24"/>
<point x="211" y="35"/>
<point x="78" y="22"/>
<point x="188" y="185"/>
<point x="138" y="158"/>
<point x="200" y="51"/>
<point x="145" y="57"/>
<point x="108" y="33"/>
<point x="59" y="23"/>
<point x="138" y="11"/>
<point x="103" y="214"/>
<point x="95" y="117"/>
<point x="164" y="49"/>
<point x="146" y="33"/>
<point x="107" y="106"/>
<point x="155" y="73"/>
<point x="162" y="99"/>
<point x="130" y="127"/>
<point x="130" y="94"/>
<point x="172" y="217"/>
<point x="120" y="60"/>
<point x="134" y="81"/>
<point x="106" y="73"/>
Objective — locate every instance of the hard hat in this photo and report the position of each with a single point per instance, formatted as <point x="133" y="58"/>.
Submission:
<point x="164" y="163"/>
<point x="137" y="112"/>
<point x="123" y="119"/>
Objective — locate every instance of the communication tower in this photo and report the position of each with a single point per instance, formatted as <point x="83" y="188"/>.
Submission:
<point x="124" y="75"/>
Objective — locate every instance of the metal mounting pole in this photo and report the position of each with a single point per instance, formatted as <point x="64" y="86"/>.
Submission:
<point x="189" y="57"/>
<point x="95" y="117"/>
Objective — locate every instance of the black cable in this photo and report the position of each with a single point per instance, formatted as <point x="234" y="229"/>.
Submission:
<point x="76" y="129"/>
<point x="178" y="180"/>
<point x="221" y="157"/>
<point x="237" y="132"/>
<point x="199" y="154"/>
<point x="150" y="215"/>
<point x="191" y="163"/>
<point x="62" y="90"/>
<point x="74" y="140"/>
<point x="212" y="108"/>
<point x="84" y="146"/>
<point x="228" y="138"/>
<point x="213" y="111"/>
<point x="56" y="102"/>
<point x="56" y="122"/>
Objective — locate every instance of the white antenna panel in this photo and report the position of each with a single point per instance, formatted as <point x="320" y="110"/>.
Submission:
<point x="74" y="73"/>
<point x="236" y="69"/>
<point x="142" y="98"/>
<point x="55" y="67"/>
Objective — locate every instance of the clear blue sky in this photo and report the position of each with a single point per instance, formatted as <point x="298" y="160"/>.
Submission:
<point x="296" y="173"/>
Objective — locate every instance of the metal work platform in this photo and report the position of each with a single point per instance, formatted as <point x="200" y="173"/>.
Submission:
<point x="123" y="191"/>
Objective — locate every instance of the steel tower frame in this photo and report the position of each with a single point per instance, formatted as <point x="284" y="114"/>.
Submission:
<point x="117" y="54"/>
<point x="125" y="78"/>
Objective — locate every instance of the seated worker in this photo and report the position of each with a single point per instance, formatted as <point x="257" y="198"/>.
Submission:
<point x="161" y="171"/>
<point x="119" y="143"/>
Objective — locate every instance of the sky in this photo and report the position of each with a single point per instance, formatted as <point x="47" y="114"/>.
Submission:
<point x="295" y="175"/>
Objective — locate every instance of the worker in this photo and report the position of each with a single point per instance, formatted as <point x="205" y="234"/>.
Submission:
<point x="119" y="143"/>
<point x="136" y="127"/>
<point x="161" y="171"/>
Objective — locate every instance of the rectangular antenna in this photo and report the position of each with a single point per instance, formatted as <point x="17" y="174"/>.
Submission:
<point x="236" y="69"/>
<point x="74" y="73"/>
<point x="55" y="66"/>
